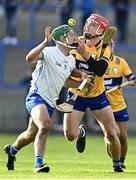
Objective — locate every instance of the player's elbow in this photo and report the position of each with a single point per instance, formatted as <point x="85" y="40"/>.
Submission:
<point x="101" y="68"/>
<point x="102" y="72"/>
<point x="30" y="59"/>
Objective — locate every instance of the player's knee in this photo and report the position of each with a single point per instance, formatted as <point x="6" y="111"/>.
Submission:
<point x="70" y="135"/>
<point x="112" y="135"/>
<point x="45" y="128"/>
<point x="123" y="137"/>
<point x="117" y="130"/>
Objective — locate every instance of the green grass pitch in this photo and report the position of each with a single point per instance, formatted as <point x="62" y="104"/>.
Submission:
<point x="65" y="162"/>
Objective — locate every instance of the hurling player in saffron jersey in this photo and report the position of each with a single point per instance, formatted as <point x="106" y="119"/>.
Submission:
<point x="117" y="69"/>
<point x="93" y="95"/>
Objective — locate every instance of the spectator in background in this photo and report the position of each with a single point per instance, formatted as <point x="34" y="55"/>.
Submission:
<point x="10" y="7"/>
<point x="66" y="9"/>
<point x="41" y="1"/>
<point x="87" y="7"/>
<point x="121" y="8"/>
<point x="26" y="83"/>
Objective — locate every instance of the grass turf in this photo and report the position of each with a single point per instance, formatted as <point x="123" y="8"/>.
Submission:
<point x="65" y="162"/>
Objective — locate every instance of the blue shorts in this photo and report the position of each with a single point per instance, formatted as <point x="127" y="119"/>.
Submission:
<point x="121" y="116"/>
<point x="95" y="103"/>
<point x="34" y="99"/>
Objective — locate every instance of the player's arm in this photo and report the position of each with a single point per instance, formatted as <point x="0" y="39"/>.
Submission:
<point x="75" y="74"/>
<point x="131" y="78"/>
<point x="72" y="83"/>
<point x="79" y="74"/>
<point x="36" y="53"/>
<point x="127" y="72"/>
<point x="98" y="67"/>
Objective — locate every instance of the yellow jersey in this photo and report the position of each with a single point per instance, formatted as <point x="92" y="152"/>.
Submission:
<point x="97" y="86"/>
<point x="117" y="69"/>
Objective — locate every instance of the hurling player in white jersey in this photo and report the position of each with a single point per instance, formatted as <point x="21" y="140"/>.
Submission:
<point x="54" y="67"/>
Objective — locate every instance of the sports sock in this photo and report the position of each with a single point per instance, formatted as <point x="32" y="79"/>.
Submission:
<point x="13" y="150"/>
<point x="38" y="160"/>
<point x="116" y="163"/>
<point x="82" y="132"/>
<point x="122" y="160"/>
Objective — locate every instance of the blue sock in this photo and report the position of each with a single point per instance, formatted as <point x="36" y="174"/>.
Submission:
<point x="38" y="160"/>
<point x="13" y="150"/>
<point x="122" y="160"/>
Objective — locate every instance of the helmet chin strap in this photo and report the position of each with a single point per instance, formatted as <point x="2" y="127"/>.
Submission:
<point x="66" y="45"/>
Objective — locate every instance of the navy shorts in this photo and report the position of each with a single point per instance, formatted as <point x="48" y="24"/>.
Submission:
<point x="95" y="103"/>
<point x="121" y="116"/>
<point x="34" y="99"/>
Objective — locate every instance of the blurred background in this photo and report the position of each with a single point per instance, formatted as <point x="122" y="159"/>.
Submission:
<point x="22" y="26"/>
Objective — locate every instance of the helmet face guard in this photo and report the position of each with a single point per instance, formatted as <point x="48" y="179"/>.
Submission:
<point x="63" y="30"/>
<point x="101" y="22"/>
<point x="89" y="36"/>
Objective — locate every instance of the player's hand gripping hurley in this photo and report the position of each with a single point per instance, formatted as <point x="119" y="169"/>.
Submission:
<point x="67" y="107"/>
